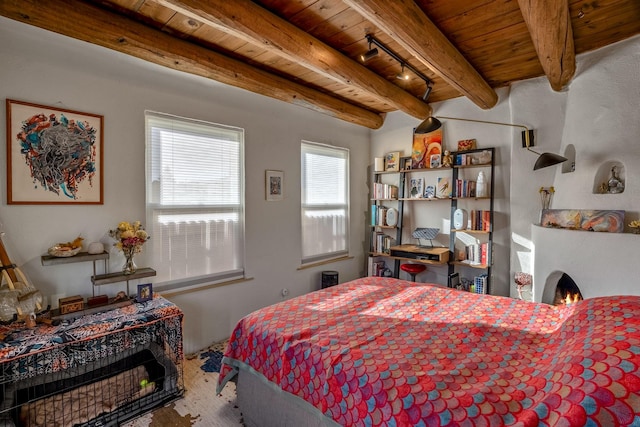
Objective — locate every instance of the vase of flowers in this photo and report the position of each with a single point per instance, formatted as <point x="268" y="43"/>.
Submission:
<point x="635" y="226"/>
<point x="129" y="239"/>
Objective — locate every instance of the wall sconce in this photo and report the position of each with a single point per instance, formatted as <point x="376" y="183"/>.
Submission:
<point x="544" y="160"/>
<point x="403" y="75"/>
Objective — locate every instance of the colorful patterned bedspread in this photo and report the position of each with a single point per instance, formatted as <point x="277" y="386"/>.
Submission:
<point x="26" y="352"/>
<point x="386" y="352"/>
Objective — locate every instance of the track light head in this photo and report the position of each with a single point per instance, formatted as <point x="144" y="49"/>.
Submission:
<point x="371" y="53"/>
<point x="402" y="75"/>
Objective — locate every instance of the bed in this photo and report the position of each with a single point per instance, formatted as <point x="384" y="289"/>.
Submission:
<point x="383" y="351"/>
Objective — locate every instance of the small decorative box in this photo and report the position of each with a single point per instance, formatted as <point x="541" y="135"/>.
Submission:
<point x="97" y="300"/>
<point x="466" y="144"/>
<point x="71" y="304"/>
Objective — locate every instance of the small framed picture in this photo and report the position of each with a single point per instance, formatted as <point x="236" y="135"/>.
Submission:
<point x="415" y="188"/>
<point x="405" y="163"/>
<point x="274" y="183"/>
<point x="145" y="292"/>
<point x="434" y="161"/>
<point x="392" y="161"/>
<point x="429" y="192"/>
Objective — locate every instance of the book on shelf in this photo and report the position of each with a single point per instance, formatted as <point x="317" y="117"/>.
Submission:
<point x="381" y="242"/>
<point x="478" y="254"/>
<point x="384" y="191"/>
<point x="480" y="220"/>
<point x="465" y="188"/>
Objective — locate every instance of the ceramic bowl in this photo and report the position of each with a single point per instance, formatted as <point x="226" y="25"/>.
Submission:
<point x="63" y="251"/>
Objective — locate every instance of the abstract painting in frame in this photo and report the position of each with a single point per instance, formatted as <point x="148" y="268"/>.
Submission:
<point x="424" y="146"/>
<point x="611" y="221"/>
<point x="54" y="155"/>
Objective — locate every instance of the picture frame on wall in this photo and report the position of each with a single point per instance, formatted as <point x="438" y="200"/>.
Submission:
<point x="54" y="155"/>
<point x="145" y="292"/>
<point x="274" y="185"/>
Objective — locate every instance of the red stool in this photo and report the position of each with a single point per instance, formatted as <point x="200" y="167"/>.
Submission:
<point x="413" y="269"/>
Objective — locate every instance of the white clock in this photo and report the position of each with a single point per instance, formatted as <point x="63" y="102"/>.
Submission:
<point x="392" y="217"/>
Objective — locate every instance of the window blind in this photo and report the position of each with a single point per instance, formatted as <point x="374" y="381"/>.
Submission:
<point x="325" y="201"/>
<point x="195" y="200"/>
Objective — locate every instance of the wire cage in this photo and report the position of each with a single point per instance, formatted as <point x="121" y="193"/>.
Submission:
<point x="100" y="381"/>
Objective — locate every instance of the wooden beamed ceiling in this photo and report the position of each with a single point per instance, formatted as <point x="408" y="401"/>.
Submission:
<point x="306" y="52"/>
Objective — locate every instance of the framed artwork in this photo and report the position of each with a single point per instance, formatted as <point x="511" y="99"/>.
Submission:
<point x="415" y="188"/>
<point x="443" y="188"/>
<point x="611" y="221"/>
<point x="392" y="161"/>
<point x="405" y="163"/>
<point x="434" y="162"/>
<point x="145" y="292"/>
<point x="54" y="155"/>
<point x="274" y="185"/>
<point x="424" y="146"/>
<point x="429" y="192"/>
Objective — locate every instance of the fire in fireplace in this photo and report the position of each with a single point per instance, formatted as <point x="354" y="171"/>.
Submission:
<point x="567" y="291"/>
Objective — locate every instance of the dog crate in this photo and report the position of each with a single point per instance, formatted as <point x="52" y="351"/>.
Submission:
<point x="104" y="379"/>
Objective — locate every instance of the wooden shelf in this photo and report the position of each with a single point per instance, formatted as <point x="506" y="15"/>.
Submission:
<point x="467" y="264"/>
<point x="80" y="257"/>
<point x="105" y="279"/>
<point x="425" y="199"/>
<point x="462" y="230"/>
<point x="483" y="165"/>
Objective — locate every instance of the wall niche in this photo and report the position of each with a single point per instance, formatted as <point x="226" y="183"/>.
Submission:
<point x="610" y="178"/>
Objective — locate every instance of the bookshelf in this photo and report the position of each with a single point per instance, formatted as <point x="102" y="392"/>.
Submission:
<point x="470" y="245"/>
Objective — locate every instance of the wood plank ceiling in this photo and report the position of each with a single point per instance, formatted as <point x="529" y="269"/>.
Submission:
<point x="306" y="51"/>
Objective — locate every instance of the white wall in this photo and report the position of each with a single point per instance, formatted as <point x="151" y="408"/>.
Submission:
<point x="45" y="68"/>
<point x="597" y="114"/>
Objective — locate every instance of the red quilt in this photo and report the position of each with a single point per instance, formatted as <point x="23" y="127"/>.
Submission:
<point x="387" y="352"/>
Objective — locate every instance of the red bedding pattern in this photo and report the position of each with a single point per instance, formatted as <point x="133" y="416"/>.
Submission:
<point x="381" y="351"/>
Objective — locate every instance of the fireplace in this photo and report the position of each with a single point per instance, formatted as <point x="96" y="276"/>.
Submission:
<point x="567" y="292"/>
<point x="600" y="263"/>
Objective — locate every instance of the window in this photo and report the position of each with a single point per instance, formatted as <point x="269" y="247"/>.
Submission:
<point x="195" y="200"/>
<point x="325" y="202"/>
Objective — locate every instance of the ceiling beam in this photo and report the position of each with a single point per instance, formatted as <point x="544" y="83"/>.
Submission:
<point x="248" y="21"/>
<point x="549" y="24"/>
<point x="79" y="20"/>
<point x="407" y="24"/>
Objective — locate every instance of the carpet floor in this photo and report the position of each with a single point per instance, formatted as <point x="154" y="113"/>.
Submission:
<point x="200" y="406"/>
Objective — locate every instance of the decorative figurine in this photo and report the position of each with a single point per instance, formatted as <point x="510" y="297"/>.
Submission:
<point x="615" y="183"/>
<point x="447" y="159"/>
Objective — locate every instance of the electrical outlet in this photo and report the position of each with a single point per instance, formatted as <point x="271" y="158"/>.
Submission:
<point x="285" y="292"/>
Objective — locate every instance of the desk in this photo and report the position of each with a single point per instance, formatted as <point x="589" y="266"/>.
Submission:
<point x="46" y="353"/>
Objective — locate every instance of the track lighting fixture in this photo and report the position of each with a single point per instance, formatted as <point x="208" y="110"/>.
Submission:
<point x="403" y="74"/>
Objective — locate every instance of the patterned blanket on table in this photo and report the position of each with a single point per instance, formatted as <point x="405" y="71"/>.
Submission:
<point x="26" y="352"/>
<point x="386" y="352"/>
